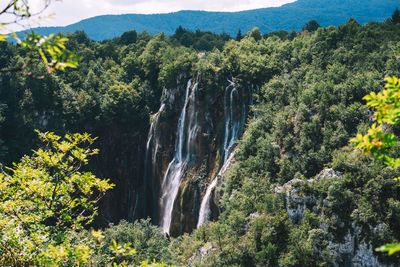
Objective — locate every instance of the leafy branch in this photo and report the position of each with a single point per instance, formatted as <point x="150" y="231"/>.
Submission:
<point x="50" y="49"/>
<point x="379" y="141"/>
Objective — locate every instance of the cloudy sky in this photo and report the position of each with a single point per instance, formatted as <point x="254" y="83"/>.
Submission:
<point x="69" y="11"/>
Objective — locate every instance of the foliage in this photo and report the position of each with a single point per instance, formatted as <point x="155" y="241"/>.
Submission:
<point x="378" y="142"/>
<point x="390" y="249"/>
<point x="256" y="34"/>
<point x="51" y="49"/>
<point x="47" y="202"/>
<point x="308" y="90"/>
<point x="199" y="40"/>
<point x="128" y="37"/>
<point x="311" y="26"/>
<point x="239" y="36"/>
<point x="45" y="198"/>
<point x="147" y="239"/>
<point x="395" y="19"/>
<point x="309" y="104"/>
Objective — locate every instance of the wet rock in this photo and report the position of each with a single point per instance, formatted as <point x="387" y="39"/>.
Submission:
<point x="364" y="257"/>
<point x="203" y="147"/>
<point x="297" y="201"/>
<point x="201" y="253"/>
<point x="328" y="174"/>
<point x="353" y="253"/>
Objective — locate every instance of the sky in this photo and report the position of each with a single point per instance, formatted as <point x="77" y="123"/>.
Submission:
<point x="66" y="12"/>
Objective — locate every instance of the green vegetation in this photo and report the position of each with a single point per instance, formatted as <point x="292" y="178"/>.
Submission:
<point x="395" y="19"/>
<point x="380" y="142"/>
<point x="45" y="199"/>
<point x="202" y="41"/>
<point x="51" y="49"/>
<point x="311" y="26"/>
<point x="46" y="203"/>
<point x="308" y="108"/>
<point x="295" y="194"/>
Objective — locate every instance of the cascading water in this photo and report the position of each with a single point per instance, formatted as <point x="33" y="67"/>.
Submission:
<point x="152" y="147"/>
<point x="233" y="122"/>
<point x="205" y="211"/>
<point x="186" y="131"/>
<point x="150" y="140"/>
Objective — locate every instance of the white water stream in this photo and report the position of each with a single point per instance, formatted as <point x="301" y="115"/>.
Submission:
<point x="185" y="133"/>
<point x="233" y="126"/>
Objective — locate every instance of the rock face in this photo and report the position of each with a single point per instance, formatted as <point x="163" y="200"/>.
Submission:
<point x="352" y="250"/>
<point x="201" y="253"/>
<point x="121" y="160"/>
<point x="353" y="253"/>
<point x="185" y="149"/>
<point x="295" y="202"/>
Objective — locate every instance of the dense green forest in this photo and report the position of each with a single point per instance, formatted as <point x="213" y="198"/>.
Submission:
<point x="297" y="194"/>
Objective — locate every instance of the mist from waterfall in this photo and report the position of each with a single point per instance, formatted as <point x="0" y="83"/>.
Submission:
<point x="185" y="134"/>
<point x="233" y="125"/>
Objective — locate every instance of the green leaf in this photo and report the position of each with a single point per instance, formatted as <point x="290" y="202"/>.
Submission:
<point x="389" y="248"/>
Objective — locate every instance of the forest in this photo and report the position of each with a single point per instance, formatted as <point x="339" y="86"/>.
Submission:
<point x="297" y="191"/>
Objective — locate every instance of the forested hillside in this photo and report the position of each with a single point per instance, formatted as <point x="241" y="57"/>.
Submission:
<point x="293" y="191"/>
<point x="290" y="17"/>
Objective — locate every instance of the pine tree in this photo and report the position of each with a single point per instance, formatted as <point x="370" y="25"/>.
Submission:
<point x="239" y="36"/>
<point x="311" y="26"/>
<point x="256" y="34"/>
<point x="395" y="19"/>
<point x="179" y="32"/>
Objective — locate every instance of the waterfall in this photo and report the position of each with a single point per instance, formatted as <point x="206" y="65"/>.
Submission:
<point x="232" y="120"/>
<point x="233" y="124"/>
<point x="150" y="139"/>
<point x="205" y="210"/>
<point x="151" y="152"/>
<point x="186" y="131"/>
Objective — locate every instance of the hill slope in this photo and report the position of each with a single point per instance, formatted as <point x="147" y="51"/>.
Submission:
<point x="287" y="17"/>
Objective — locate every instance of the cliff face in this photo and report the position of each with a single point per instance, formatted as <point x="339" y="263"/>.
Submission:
<point x="121" y="160"/>
<point x="350" y="250"/>
<point x="186" y="147"/>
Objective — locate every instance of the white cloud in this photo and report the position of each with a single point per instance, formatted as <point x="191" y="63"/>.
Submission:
<point x="69" y="11"/>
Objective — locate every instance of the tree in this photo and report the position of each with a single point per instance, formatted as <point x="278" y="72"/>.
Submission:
<point x="395" y="19"/>
<point x="18" y="11"/>
<point x="51" y="49"/>
<point x="129" y="37"/>
<point x="179" y="32"/>
<point x="380" y="141"/>
<point x="187" y="39"/>
<point x="239" y="36"/>
<point x="256" y="34"/>
<point x="45" y="199"/>
<point x="148" y="241"/>
<point x="311" y="26"/>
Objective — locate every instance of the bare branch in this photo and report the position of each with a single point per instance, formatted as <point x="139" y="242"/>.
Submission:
<point x="20" y="10"/>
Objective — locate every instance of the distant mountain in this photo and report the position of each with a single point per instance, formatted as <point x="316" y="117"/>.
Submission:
<point x="287" y="17"/>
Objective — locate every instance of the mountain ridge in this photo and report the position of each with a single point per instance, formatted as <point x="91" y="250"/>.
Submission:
<point x="291" y="16"/>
